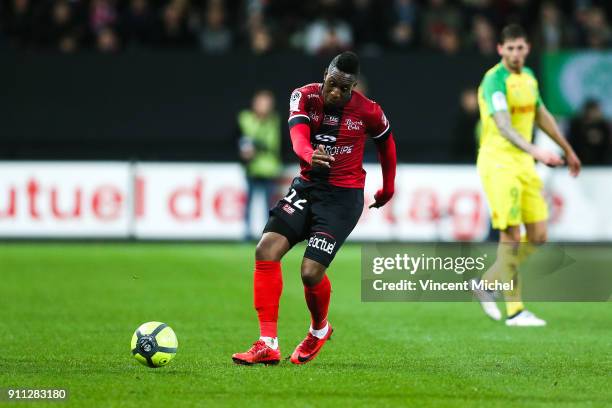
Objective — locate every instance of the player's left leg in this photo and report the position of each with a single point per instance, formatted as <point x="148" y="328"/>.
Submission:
<point x="317" y="291"/>
<point x="282" y="232"/>
<point x="534" y="214"/>
<point x="537" y="232"/>
<point x="503" y="192"/>
<point x="334" y="215"/>
<point x="536" y="235"/>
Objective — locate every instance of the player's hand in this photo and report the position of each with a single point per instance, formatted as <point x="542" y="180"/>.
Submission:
<point x="573" y="162"/>
<point x="547" y="157"/>
<point x="381" y="198"/>
<point x="321" y="158"/>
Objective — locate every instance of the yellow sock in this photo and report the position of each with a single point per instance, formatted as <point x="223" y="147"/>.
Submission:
<point x="513" y="308"/>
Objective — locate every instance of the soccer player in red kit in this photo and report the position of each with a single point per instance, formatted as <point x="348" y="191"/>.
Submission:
<point x="329" y="123"/>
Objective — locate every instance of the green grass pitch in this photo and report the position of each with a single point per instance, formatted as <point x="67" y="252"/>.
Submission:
<point x="67" y="313"/>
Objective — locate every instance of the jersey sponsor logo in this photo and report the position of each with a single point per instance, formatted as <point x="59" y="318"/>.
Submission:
<point x="322" y="242"/>
<point x="353" y="124"/>
<point x="522" y="109"/>
<point x="325" y="138"/>
<point x="331" y="120"/>
<point x="294" y="101"/>
<point x="336" y="150"/>
<point x="313" y="116"/>
<point x="310" y="96"/>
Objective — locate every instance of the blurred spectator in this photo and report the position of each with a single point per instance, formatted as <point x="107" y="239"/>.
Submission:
<point x="552" y="32"/>
<point x="483" y="8"/>
<point x="261" y="40"/>
<point x="259" y="148"/>
<point x="597" y="29"/>
<point x="523" y="12"/>
<point x="107" y="41"/>
<point x="402" y="36"/>
<point x="466" y="128"/>
<point x="403" y="24"/>
<point x="17" y="22"/>
<point x="483" y="38"/>
<point x="63" y="31"/>
<point x="328" y="34"/>
<point x="173" y="31"/>
<point x="138" y="23"/>
<point x="441" y="26"/>
<point x="317" y="26"/>
<point x="366" y="22"/>
<point x="449" y="42"/>
<point x="215" y="37"/>
<point x="589" y="135"/>
<point x="102" y="14"/>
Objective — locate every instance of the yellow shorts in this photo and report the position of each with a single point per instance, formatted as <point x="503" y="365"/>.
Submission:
<point x="514" y="194"/>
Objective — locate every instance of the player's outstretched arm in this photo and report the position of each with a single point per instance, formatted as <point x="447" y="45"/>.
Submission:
<point x="548" y="124"/>
<point x="504" y="124"/>
<point x="387" y="157"/>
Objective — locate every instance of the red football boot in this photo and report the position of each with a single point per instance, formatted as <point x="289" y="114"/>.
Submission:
<point x="259" y="353"/>
<point x="310" y="347"/>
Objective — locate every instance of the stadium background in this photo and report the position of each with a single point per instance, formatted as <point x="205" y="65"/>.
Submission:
<point x="142" y="82"/>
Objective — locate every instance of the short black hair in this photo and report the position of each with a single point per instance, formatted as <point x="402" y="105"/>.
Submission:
<point x="512" y="32"/>
<point x="347" y="62"/>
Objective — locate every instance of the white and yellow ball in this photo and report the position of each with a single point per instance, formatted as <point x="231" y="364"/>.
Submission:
<point x="154" y="344"/>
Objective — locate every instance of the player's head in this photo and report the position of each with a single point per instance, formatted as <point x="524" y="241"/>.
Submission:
<point x="340" y="78"/>
<point x="513" y="46"/>
<point x="263" y="102"/>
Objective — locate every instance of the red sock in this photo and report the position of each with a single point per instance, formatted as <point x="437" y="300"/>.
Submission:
<point x="268" y="285"/>
<point x="317" y="299"/>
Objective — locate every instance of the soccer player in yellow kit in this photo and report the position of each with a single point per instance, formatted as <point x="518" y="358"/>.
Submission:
<point x="510" y="105"/>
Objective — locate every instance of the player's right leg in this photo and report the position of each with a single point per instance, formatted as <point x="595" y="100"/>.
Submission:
<point x="283" y="230"/>
<point x="502" y="270"/>
<point x="503" y="189"/>
<point x="534" y="214"/>
<point x="268" y="286"/>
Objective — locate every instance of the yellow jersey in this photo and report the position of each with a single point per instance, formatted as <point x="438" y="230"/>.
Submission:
<point x="518" y="94"/>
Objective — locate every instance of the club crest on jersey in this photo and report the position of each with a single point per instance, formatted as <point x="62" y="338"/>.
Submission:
<point x="294" y="101"/>
<point x="353" y="124"/>
<point x="331" y="120"/>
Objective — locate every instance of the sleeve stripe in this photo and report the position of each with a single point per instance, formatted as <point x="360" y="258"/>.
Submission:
<point x="296" y="119"/>
<point x="383" y="132"/>
<point x="300" y="114"/>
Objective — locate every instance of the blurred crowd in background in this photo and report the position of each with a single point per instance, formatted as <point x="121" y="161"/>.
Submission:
<point x="324" y="27"/>
<point x="316" y="27"/>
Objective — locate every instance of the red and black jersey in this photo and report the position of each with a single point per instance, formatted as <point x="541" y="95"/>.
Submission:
<point x="343" y="132"/>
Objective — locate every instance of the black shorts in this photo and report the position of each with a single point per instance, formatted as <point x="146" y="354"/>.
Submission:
<point x="322" y="213"/>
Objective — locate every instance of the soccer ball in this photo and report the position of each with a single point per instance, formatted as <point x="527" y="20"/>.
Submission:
<point x="154" y="344"/>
